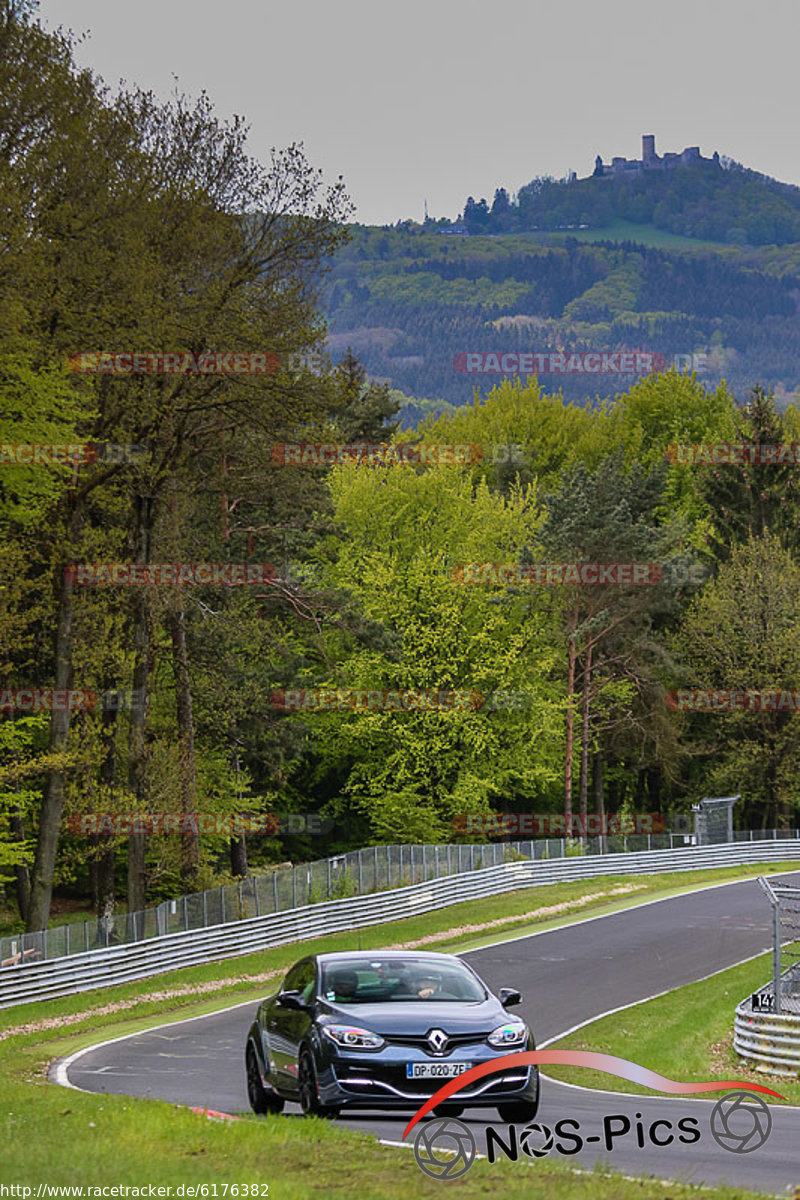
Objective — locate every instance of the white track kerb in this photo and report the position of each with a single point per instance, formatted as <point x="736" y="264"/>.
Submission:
<point x="120" y="964"/>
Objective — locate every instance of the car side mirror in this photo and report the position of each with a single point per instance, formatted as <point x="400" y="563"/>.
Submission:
<point x="508" y="997"/>
<point x="293" y="1000"/>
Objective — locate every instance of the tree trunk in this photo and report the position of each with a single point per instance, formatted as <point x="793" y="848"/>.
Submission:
<point x="583" y="786"/>
<point x="41" y="891"/>
<point x="137" y="884"/>
<point x="190" y="841"/>
<point x="239" y="856"/>
<point x="597" y="788"/>
<point x="570" y="736"/>
<point x="22" y="876"/>
<point x="103" y="861"/>
<point x="238" y="844"/>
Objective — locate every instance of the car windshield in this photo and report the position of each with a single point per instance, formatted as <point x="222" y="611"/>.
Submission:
<point x="392" y="980"/>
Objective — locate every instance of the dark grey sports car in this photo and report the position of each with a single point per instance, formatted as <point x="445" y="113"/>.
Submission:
<point x="374" y="1029"/>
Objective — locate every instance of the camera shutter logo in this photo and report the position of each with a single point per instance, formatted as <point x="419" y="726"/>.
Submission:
<point x="740" y="1122"/>
<point x="454" y="1152"/>
<point x="537" y="1140"/>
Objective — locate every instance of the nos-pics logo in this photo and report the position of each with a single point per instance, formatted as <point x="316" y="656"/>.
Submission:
<point x="446" y="1148"/>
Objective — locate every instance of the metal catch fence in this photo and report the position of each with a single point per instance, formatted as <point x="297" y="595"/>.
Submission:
<point x="782" y="994"/>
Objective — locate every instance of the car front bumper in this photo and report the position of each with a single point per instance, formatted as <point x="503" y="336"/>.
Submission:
<point x="378" y="1079"/>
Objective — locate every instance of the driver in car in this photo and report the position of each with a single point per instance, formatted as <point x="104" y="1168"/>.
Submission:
<point x="429" y="987"/>
<point x="345" y="986"/>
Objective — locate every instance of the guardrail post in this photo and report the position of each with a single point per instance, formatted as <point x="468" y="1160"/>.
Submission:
<point x="275" y="889"/>
<point x="205" y="909"/>
<point x="222" y="902"/>
<point x="436" y="862"/>
<point x="66" y="939"/>
<point x="361" y="871"/>
<point x="388" y="864"/>
<point x="86" y="934"/>
<point x="400" y="868"/>
<point x="241" y="902"/>
<point x="185" y="914"/>
<point x="472" y="856"/>
<point x="376" y="866"/>
<point x="255" y="895"/>
<point x="329" y="877"/>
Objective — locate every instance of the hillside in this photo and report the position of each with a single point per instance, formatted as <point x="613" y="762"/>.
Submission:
<point x="408" y="301"/>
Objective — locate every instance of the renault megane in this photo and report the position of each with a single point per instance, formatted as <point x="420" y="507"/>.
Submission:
<point x="373" y="1029"/>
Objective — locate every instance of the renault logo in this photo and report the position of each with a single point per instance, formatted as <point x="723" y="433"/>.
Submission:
<point x="437" y="1040"/>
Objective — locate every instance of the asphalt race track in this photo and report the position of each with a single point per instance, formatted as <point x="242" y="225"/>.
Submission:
<point x="567" y="976"/>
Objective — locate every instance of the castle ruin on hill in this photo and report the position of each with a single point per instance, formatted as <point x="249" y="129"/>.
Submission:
<point x="650" y="161"/>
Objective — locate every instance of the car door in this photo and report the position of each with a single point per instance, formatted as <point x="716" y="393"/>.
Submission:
<point x="288" y="1026"/>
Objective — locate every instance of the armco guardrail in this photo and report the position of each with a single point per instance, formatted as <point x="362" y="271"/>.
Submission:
<point x="770" y="1041"/>
<point x="119" y="964"/>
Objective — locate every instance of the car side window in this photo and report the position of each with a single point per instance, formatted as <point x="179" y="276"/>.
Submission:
<point x="301" y="978"/>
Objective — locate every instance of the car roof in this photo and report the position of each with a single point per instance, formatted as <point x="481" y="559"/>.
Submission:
<point x="430" y="956"/>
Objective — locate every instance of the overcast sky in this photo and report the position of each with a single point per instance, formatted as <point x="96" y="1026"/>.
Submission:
<point x="438" y="99"/>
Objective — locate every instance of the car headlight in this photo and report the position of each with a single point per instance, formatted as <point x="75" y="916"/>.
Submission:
<point x="353" y="1038"/>
<point x="513" y="1033"/>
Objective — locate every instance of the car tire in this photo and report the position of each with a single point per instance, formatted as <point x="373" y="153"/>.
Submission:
<point x="449" y="1110"/>
<point x="261" y="1101"/>
<point x="309" y="1095"/>
<point x="518" y="1112"/>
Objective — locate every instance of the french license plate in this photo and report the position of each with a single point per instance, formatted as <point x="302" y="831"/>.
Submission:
<point x="438" y="1070"/>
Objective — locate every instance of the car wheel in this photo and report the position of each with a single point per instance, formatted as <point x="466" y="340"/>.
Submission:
<point x="260" y="1099"/>
<point x="518" y="1112"/>
<point x="449" y="1110"/>
<point x="309" y="1095"/>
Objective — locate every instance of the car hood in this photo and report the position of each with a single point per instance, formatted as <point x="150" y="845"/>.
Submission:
<point x="417" y="1017"/>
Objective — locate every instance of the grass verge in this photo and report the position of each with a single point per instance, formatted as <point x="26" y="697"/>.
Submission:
<point x="65" y="1138"/>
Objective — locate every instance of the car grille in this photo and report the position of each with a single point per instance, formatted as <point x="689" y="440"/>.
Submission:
<point x="454" y="1041"/>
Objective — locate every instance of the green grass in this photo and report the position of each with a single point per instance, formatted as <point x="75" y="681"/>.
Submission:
<point x="631" y="231"/>
<point x="65" y="1137"/>
<point x="686" y="1034"/>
